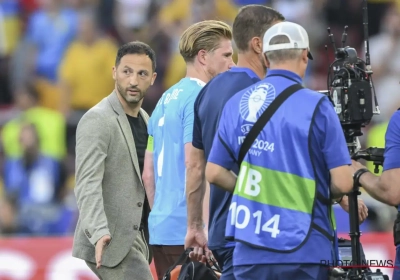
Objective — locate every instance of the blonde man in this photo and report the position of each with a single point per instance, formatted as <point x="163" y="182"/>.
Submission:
<point x="207" y="50"/>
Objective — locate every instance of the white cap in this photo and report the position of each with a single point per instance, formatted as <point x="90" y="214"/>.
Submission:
<point x="296" y="34"/>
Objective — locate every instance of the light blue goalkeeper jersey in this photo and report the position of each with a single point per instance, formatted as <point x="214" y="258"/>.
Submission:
<point x="171" y="127"/>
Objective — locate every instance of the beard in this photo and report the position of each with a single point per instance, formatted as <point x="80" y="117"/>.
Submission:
<point x="129" y="98"/>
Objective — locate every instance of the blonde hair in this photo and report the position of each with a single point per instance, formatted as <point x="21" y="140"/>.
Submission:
<point x="204" y="35"/>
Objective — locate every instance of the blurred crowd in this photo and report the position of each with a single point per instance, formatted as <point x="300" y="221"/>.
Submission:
<point x="56" y="58"/>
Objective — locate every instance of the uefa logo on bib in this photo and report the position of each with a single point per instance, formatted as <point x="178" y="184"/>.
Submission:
<point x="253" y="104"/>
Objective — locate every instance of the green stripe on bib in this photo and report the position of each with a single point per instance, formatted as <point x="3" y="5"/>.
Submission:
<point x="275" y="188"/>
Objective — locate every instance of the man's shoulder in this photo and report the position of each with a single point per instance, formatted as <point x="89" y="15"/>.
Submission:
<point x="238" y="102"/>
<point x="313" y="92"/>
<point x="213" y="88"/>
<point x="246" y="91"/>
<point x="100" y="112"/>
<point x="224" y="86"/>
<point x="186" y="93"/>
<point x="186" y="86"/>
<point x="194" y="83"/>
<point x="103" y="107"/>
<point x="316" y="101"/>
<point x="395" y="119"/>
<point x="238" y="78"/>
<point x="182" y="90"/>
<point x="315" y="96"/>
<point x="192" y="88"/>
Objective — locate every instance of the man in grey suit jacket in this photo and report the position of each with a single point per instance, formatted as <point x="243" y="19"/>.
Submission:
<point x="110" y="145"/>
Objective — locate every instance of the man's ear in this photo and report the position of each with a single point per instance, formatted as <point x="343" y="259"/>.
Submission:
<point x="256" y="45"/>
<point x="266" y="61"/>
<point x="153" y="78"/>
<point x="114" y="73"/>
<point x="304" y="56"/>
<point x="202" y="57"/>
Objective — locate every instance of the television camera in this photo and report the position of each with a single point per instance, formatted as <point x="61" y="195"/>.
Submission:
<point x="351" y="91"/>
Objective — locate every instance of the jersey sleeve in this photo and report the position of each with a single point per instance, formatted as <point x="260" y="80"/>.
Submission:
<point x="329" y="133"/>
<point x="222" y="151"/>
<point x="188" y="118"/>
<point x="197" y="141"/>
<point x="392" y="143"/>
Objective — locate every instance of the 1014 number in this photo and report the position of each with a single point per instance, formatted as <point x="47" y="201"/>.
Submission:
<point x="271" y="226"/>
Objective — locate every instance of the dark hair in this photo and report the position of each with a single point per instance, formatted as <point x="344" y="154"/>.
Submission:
<point x="253" y="21"/>
<point x="136" y="47"/>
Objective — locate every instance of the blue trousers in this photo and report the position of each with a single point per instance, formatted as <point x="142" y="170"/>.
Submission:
<point x="224" y="258"/>
<point x="396" y="271"/>
<point x="281" y="272"/>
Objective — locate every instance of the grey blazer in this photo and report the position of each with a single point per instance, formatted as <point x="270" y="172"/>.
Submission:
<point x="109" y="189"/>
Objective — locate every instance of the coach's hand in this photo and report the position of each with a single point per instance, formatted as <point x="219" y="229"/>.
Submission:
<point x="362" y="208"/>
<point x="100" y="245"/>
<point x="196" y="239"/>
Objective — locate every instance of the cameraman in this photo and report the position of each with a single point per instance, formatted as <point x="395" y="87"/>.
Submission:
<point x="386" y="188"/>
<point x="280" y="214"/>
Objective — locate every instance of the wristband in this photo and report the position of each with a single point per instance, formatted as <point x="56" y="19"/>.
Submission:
<point x="358" y="173"/>
<point x="150" y="144"/>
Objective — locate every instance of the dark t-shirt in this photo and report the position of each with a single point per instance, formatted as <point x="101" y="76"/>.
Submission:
<point x="207" y="111"/>
<point x="139" y="131"/>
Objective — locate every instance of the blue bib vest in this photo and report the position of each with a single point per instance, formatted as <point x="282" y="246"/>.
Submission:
<point x="276" y="192"/>
<point x="398" y="206"/>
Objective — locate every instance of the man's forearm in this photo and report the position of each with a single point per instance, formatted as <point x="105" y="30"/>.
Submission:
<point x="206" y="206"/>
<point x="150" y="191"/>
<point x="340" y="199"/>
<point x="372" y="185"/>
<point x="226" y="181"/>
<point x="336" y="193"/>
<point x="221" y="177"/>
<point x="195" y="190"/>
<point x="148" y="177"/>
<point x="150" y="188"/>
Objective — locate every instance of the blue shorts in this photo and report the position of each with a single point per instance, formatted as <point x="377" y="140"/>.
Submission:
<point x="281" y="272"/>
<point x="224" y="258"/>
<point x="396" y="271"/>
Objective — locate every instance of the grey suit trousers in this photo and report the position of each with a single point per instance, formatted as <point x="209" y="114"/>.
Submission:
<point x="135" y="266"/>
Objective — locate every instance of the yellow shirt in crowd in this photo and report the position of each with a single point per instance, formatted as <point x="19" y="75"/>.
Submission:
<point x="88" y="72"/>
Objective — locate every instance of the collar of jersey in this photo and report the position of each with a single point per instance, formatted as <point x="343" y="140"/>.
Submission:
<point x="200" y="82"/>
<point x="248" y="71"/>
<point x="286" y="73"/>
